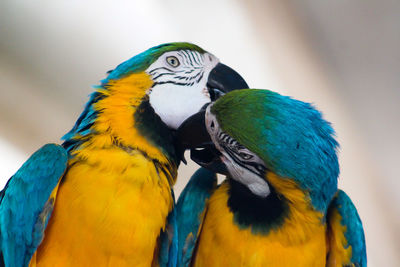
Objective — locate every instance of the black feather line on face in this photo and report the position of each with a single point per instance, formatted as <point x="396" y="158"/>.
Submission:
<point x="160" y="68"/>
<point x="233" y="147"/>
<point x="191" y="64"/>
<point x="173" y="82"/>
<point x="253" y="167"/>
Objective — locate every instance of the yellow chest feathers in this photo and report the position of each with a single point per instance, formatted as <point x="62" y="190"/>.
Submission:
<point x="107" y="213"/>
<point x="300" y="241"/>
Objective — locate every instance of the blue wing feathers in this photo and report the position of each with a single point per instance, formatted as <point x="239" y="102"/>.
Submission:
<point x="25" y="206"/>
<point x="169" y="241"/>
<point x="190" y="208"/>
<point x="354" y="229"/>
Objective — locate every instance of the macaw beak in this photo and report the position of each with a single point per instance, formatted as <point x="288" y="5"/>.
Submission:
<point x="222" y="79"/>
<point x="193" y="135"/>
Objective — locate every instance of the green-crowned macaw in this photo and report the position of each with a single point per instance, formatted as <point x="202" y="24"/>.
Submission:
<point x="103" y="197"/>
<point x="280" y="205"/>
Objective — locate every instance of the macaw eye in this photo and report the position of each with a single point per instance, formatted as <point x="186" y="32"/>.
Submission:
<point x="245" y="156"/>
<point x="173" y="61"/>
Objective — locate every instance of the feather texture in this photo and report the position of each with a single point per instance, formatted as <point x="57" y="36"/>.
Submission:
<point x="190" y="211"/>
<point x="346" y="234"/>
<point x="27" y="204"/>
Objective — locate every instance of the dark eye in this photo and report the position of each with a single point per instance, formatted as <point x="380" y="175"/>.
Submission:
<point x="173" y="61"/>
<point x="245" y="156"/>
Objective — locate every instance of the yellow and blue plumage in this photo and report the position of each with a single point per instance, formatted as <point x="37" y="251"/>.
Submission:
<point x="279" y="205"/>
<point x="110" y="184"/>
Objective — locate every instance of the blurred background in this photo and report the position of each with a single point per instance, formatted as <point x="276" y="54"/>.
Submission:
<point x="343" y="56"/>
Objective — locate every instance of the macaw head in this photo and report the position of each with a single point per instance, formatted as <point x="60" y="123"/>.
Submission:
<point x="151" y="94"/>
<point x="184" y="78"/>
<point x="254" y="133"/>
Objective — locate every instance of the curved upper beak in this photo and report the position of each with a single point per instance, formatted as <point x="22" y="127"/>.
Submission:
<point x="223" y="79"/>
<point x="193" y="135"/>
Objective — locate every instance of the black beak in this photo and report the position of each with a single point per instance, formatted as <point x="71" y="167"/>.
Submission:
<point x="193" y="135"/>
<point x="223" y="79"/>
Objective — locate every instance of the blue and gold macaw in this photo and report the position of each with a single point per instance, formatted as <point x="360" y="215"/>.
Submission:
<point x="103" y="197"/>
<point x="280" y="205"/>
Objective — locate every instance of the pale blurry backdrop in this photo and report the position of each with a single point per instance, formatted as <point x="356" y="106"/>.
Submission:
<point x="342" y="55"/>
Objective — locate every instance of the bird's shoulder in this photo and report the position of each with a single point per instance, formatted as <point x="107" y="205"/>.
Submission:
<point x="345" y="233"/>
<point x="27" y="202"/>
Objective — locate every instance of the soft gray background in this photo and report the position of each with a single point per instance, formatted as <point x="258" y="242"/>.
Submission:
<point x="341" y="55"/>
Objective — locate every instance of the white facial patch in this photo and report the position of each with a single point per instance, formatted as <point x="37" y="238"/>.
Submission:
<point x="174" y="104"/>
<point x="255" y="183"/>
<point x="180" y="84"/>
<point x="230" y="149"/>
